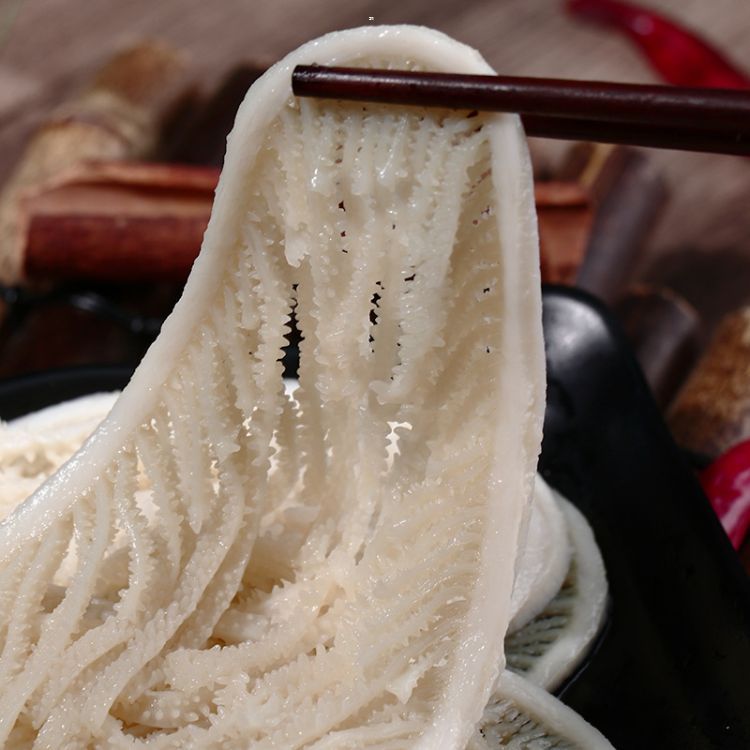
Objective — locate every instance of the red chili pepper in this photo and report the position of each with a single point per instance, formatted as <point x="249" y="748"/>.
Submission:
<point x="727" y="483"/>
<point x="681" y="57"/>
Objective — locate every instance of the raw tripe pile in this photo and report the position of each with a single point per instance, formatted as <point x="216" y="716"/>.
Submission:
<point x="33" y="447"/>
<point x="557" y="604"/>
<point x="224" y="566"/>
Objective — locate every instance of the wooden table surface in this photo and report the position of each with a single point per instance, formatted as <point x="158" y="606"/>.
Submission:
<point x="702" y="245"/>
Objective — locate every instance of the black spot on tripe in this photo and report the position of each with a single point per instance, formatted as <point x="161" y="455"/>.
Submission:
<point x="373" y="309"/>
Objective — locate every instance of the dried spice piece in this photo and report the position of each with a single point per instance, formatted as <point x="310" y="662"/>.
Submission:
<point x="711" y="413"/>
<point x="679" y="55"/>
<point x="119" y="116"/>
<point x="123" y="221"/>
<point x="665" y="332"/>
<point x="567" y="615"/>
<point x="629" y="194"/>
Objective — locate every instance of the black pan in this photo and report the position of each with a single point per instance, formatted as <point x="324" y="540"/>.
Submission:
<point x="672" y="669"/>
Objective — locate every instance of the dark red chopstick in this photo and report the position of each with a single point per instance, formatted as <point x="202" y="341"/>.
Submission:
<point x="658" y="116"/>
<point x="650" y="136"/>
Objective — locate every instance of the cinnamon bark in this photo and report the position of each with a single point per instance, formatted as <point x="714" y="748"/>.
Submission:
<point x="119" y="222"/>
<point x="565" y="216"/>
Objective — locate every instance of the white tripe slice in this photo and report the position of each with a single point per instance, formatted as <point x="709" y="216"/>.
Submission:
<point x="544" y="558"/>
<point x="67" y="417"/>
<point x="523" y="716"/>
<point x="401" y="569"/>
<point x="550" y="647"/>
<point x="34" y="446"/>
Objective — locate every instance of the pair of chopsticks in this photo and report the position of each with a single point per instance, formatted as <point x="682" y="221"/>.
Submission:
<point x="689" y="119"/>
